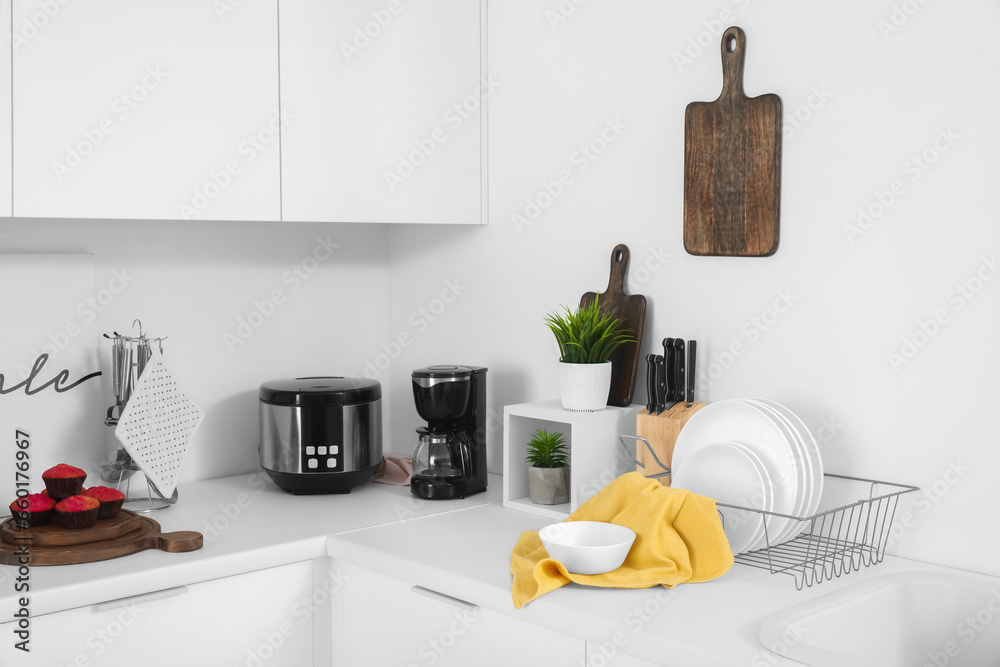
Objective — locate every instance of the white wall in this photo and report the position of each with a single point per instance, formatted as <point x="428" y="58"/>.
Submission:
<point x="876" y="102"/>
<point x="193" y="283"/>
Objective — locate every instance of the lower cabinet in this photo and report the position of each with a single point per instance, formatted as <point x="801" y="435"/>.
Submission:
<point x="249" y="620"/>
<point x="380" y="620"/>
<point x="606" y="655"/>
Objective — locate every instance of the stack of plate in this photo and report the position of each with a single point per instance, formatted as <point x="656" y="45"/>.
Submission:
<point x="753" y="453"/>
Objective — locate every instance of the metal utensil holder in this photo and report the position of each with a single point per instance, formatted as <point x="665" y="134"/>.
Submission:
<point x="129" y="356"/>
<point x="835" y="541"/>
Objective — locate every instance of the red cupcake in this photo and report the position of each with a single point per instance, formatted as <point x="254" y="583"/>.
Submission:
<point x="77" y="512"/>
<point x="111" y="500"/>
<point x="63" y="481"/>
<point x="32" y="510"/>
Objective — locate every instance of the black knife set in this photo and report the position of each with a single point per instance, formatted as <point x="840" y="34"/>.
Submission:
<point x="670" y="376"/>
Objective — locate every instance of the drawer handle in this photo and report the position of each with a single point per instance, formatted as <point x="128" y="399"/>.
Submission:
<point x="441" y="597"/>
<point x="144" y="597"/>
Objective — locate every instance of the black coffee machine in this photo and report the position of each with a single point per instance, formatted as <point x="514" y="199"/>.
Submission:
<point x="450" y="458"/>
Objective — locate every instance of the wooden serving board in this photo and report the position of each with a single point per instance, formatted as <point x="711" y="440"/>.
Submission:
<point x="53" y="535"/>
<point x="661" y="431"/>
<point x="732" y="166"/>
<point x="146" y="535"/>
<point x="631" y="308"/>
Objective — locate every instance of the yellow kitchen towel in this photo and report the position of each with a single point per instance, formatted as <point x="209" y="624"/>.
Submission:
<point x="679" y="539"/>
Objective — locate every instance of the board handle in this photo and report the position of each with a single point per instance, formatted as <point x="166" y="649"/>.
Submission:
<point x="178" y="541"/>
<point x="619" y="266"/>
<point x="734" y="48"/>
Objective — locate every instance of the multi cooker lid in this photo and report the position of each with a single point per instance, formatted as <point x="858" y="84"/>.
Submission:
<point x="320" y="391"/>
<point x="446" y="371"/>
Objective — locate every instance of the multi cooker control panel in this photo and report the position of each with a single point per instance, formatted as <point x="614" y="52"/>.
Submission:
<point x="321" y="458"/>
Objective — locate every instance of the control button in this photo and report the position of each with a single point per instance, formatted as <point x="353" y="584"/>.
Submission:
<point x="334" y="449"/>
<point x="310" y="451"/>
<point x="331" y="463"/>
<point x="321" y="451"/>
<point x="313" y="463"/>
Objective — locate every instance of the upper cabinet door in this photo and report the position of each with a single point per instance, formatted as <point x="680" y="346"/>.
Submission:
<point x="6" y="208"/>
<point x="162" y="109"/>
<point x="386" y="103"/>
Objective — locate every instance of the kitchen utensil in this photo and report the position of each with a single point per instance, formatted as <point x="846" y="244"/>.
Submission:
<point x="730" y="473"/>
<point x="661" y="383"/>
<point x="692" y="351"/>
<point x="54" y="535"/>
<point x="632" y="310"/>
<point x="320" y="434"/>
<point x="749" y="425"/>
<point x="650" y="383"/>
<point x="587" y="547"/>
<point x="669" y="356"/>
<point x="732" y="165"/>
<point x="679" y="373"/>
<point x="450" y="458"/>
<point x="157" y="425"/>
<point x="146" y="536"/>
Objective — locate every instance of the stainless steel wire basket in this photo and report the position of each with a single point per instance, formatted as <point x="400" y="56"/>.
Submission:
<point x="850" y="531"/>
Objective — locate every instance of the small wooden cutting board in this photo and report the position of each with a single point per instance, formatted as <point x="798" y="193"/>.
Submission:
<point x="631" y="308"/>
<point x="54" y="545"/>
<point x="732" y="166"/>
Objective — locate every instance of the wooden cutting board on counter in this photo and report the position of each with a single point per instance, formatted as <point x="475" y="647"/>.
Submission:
<point x="631" y="308"/>
<point x="128" y="533"/>
<point x="732" y="166"/>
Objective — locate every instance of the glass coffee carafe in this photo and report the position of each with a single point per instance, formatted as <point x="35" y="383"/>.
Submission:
<point x="441" y="455"/>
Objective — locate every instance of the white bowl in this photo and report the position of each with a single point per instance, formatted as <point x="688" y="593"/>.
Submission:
<point x="588" y="547"/>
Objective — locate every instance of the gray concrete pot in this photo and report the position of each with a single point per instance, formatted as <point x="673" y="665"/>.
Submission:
<point x="548" y="486"/>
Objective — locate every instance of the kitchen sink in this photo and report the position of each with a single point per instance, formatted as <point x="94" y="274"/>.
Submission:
<point x="907" y="619"/>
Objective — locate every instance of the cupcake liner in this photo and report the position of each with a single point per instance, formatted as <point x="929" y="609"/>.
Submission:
<point x="60" y="488"/>
<point x="78" y="519"/>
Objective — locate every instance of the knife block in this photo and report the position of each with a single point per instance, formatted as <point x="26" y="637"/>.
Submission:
<point x="661" y="431"/>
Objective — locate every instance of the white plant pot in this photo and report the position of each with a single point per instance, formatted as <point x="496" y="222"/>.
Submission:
<point x="584" y="387"/>
<point x="548" y="486"/>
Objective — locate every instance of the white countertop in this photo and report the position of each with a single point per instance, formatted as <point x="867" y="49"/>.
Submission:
<point x="713" y="623"/>
<point x="248" y="524"/>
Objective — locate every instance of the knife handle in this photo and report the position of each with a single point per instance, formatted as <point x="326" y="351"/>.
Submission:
<point x="679" y="368"/>
<point x="669" y="361"/>
<point x="650" y="383"/>
<point x="692" y="351"/>
<point x="661" y="384"/>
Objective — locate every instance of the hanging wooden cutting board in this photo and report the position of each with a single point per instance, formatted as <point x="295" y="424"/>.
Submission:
<point x="631" y="308"/>
<point x="732" y="166"/>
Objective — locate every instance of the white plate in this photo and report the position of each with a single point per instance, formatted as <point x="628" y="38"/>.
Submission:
<point x="768" y="504"/>
<point x="812" y="452"/>
<point x="751" y="426"/>
<point x="803" y="468"/>
<point x="729" y="473"/>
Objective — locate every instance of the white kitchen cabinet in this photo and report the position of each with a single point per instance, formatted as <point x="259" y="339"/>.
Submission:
<point x="262" y="617"/>
<point x="380" y="620"/>
<point x="609" y="654"/>
<point x="161" y="109"/>
<point x="6" y="183"/>
<point x="386" y="100"/>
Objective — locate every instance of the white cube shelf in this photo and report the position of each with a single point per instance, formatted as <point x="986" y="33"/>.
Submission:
<point x="596" y="456"/>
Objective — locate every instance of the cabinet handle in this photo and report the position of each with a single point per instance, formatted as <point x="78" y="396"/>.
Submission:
<point x="441" y="597"/>
<point x="143" y="597"/>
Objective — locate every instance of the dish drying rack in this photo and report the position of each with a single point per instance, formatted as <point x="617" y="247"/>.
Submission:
<point x="850" y="530"/>
<point x="835" y="541"/>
